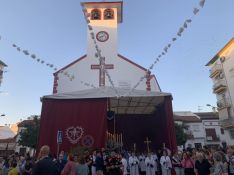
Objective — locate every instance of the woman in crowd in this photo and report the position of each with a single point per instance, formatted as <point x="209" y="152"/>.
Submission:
<point x="218" y="168"/>
<point x="82" y="168"/>
<point x="202" y="166"/>
<point x="188" y="164"/>
<point x="70" y="167"/>
<point x="176" y="162"/>
<point x="27" y="169"/>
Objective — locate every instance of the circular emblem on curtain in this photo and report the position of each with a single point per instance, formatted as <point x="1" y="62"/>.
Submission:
<point x="110" y="115"/>
<point x="74" y="134"/>
<point x="87" y="141"/>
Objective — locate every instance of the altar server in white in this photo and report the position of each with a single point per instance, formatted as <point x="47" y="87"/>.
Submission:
<point x="165" y="162"/>
<point x="150" y="164"/>
<point x="142" y="163"/>
<point x="133" y="164"/>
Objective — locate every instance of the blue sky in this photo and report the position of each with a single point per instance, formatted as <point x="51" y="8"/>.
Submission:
<point x="55" y="31"/>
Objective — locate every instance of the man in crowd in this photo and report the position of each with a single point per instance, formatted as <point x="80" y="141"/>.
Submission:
<point x="45" y="166"/>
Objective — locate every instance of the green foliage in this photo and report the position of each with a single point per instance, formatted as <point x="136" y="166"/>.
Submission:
<point x="29" y="135"/>
<point x="181" y="136"/>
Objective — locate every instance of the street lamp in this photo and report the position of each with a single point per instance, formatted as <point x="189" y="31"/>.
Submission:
<point x="214" y="109"/>
<point x="3" y="115"/>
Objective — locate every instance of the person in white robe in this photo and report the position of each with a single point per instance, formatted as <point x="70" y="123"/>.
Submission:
<point x="124" y="165"/>
<point x="165" y="162"/>
<point x="155" y="157"/>
<point x="142" y="163"/>
<point x="150" y="164"/>
<point x="133" y="164"/>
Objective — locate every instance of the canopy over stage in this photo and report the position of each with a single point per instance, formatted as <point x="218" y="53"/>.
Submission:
<point x="82" y="118"/>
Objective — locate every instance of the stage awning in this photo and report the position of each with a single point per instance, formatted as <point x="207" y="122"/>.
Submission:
<point x="122" y="102"/>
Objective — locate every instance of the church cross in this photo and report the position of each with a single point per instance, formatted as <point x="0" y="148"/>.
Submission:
<point x="147" y="142"/>
<point x="102" y="66"/>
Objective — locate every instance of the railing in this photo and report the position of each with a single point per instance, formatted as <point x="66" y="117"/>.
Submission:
<point x="212" y="139"/>
<point x="214" y="69"/>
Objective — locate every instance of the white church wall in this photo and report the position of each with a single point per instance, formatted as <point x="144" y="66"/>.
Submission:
<point x="125" y="73"/>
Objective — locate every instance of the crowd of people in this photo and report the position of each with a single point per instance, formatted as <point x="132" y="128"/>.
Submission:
<point x="187" y="162"/>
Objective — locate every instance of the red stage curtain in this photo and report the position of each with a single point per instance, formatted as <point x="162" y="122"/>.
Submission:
<point x="170" y="127"/>
<point x="71" y="117"/>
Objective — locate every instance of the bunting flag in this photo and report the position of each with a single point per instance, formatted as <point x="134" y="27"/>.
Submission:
<point x="33" y="56"/>
<point x="98" y="51"/>
<point x="174" y="39"/>
<point x="195" y="11"/>
<point x="202" y="3"/>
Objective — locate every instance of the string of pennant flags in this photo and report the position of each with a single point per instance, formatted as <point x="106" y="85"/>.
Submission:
<point x="100" y="57"/>
<point x="97" y="48"/>
<point x="71" y="77"/>
<point x="166" y="48"/>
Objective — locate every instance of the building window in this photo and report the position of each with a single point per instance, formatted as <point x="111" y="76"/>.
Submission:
<point x="95" y="14"/>
<point x="108" y="14"/>
<point x="211" y="134"/>
<point x="231" y="134"/>
<point x="222" y="130"/>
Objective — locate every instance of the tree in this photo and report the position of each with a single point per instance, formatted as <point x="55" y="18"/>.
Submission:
<point x="29" y="135"/>
<point x="181" y="136"/>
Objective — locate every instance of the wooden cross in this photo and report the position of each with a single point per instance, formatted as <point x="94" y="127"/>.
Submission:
<point x="147" y="142"/>
<point x="101" y="66"/>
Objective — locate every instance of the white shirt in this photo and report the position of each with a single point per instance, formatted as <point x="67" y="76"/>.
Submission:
<point x="165" y="161"/>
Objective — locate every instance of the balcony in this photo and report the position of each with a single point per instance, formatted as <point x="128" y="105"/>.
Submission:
<point x="220" y="86"/>
<point x="227" y="123"/>
<point x="215" y="70"/>
<point x="223" y="103"/>
<point x="212" y="139"/>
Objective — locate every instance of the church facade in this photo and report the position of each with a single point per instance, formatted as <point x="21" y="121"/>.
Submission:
<point x="96" y="102"/>
<point x="87" y="70"/>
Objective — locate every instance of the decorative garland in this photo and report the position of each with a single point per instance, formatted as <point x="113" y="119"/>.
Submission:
<point x="168" y="46"/>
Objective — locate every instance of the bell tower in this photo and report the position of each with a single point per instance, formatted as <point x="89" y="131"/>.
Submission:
<point x="104" y="18"/>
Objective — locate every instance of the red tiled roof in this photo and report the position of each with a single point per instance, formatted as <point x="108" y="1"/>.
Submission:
<point x="208" y="115"/>
<point x="186" y="118"/>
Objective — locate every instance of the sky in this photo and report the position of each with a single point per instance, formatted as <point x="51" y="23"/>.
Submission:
<point x="56" y="31"/>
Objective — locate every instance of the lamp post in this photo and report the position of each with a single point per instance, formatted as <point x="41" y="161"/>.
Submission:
<point x="3" y="115"/>
<point x="214" y="108"/>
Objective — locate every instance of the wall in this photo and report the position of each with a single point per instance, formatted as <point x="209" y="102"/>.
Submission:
<point x="228" y="67"/>
<point x="124" y="72"/>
